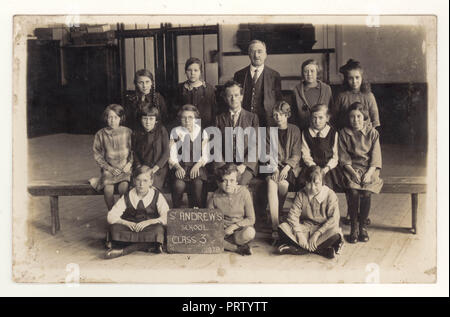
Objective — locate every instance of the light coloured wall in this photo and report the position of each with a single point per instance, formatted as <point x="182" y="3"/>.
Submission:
<point x="389" y="54"/>
<point x="139" y="54"/>
<point x="199" y="46"/>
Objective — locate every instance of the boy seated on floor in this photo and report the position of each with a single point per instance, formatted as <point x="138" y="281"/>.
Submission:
<point x="313" y="221"/>
<point x="235" y="201"/>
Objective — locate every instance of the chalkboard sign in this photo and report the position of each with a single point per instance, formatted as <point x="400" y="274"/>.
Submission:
<point x="195" y="231"/>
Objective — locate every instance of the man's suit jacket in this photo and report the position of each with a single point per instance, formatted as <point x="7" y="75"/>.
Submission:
<point x="272" y="89"/>
<point x="246" y="119"/>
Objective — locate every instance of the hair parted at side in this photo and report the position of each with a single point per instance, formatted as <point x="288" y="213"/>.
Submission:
<point x="193" y="60"/>
<point x="227" y="169"/>
<point x="188" y="107"/>
<point x="312" y="173"/>
<point x="354" y="65"/>
<point x="283" y="107"/>
<point x="117" y="109"/>
<point x="320" y="107"/>
<point x="143" y="169"/>
<point x="359" y="107"/>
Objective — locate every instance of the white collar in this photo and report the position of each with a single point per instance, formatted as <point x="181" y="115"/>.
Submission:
<point x="365" y="130"/>
<point x="134" y="198"/>
<point x="181" y="132"/>
<point x="259" y="68"/>
<point x="199" y="83"/>
<point x="322" y="195"/>
<point x="322" y="133"/>
<point x="237" y="112"/>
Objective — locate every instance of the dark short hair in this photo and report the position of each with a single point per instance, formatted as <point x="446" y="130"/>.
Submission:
<point x="146" y="73"/>
<point x="230" y="84"/>
<point x="282" y="107"/>
<point x="193" y="60"/>
<point x="227" y="169"/>
<point x="117" y="109"/>
<point x="188" y="107"/>
<point x="360" y="107"/>
<point x="320" y="107"/>
<point x="312" y="173"/>
<point x="143" y="169"/>
<point x="148" y="111"/>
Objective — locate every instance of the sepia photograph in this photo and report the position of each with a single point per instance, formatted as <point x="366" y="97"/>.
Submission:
<point x="179" y="149"/>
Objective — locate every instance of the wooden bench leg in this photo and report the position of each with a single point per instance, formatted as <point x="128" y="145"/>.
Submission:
<point x="414" y="205"/>
<point x="54" y="214"/>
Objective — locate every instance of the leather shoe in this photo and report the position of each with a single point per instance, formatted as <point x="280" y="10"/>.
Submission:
<point x="244" y="250"/>
<point x="158" y="249"/>
<point x="329" y="253"/>
<point x="338" y="245"/>
<point x="353" y="237"/>
<point x="363" y="235"/>
<point x="113" y="253"/>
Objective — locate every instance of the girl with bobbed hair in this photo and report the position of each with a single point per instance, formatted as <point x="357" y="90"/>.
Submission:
<point x="360" y="157"/>
<point x="310" y="91"/>
<point x="112" y="152"/>
<point x="286" y="166"/>
<point x="197" y="92"/>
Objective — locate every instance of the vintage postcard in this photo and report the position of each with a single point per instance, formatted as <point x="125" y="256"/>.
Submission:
<point x="104" y="104"/>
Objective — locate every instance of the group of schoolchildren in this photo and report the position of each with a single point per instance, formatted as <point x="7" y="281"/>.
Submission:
<point x="331" y="144"/>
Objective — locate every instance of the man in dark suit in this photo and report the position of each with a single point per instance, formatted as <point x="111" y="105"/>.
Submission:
<point x="261" y="84"/>
<point x="237" y="117"/>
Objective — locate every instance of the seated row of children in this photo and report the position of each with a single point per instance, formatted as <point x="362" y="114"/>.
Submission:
<point x="356" y="147"/>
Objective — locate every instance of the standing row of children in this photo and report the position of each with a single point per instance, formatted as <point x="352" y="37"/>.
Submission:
<point x="314" y="160"/>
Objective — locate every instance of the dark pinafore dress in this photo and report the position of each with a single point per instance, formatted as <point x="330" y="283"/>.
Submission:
<point x="321" y="152"/>
<point x="152" y="233"/>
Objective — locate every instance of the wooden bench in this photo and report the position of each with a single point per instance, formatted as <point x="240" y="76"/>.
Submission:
<point x="395" y="185"/>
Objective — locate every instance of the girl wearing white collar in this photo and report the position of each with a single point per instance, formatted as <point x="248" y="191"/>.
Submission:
<point x="188" y="170"/>
<point x="313" y="221"/>
<point x="138" y="218"/>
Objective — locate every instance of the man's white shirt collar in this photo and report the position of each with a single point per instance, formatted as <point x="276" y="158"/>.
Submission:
<point x="259" y="68"/>
<point x="322" y="133"/>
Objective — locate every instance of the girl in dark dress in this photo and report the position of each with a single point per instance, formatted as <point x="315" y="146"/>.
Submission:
<point x="320" y="147"/>
<point x="144" y="95"/>
<point x="197" y="92"/>
<point x="139" y="217"/>
<point x="150" y="143"/>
